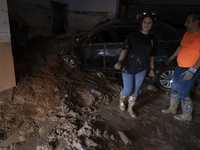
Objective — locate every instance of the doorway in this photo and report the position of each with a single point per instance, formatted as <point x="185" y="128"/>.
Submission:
<point x="59" y="17"/>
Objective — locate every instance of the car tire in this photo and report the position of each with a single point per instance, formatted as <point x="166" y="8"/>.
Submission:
<point x="164" y="76"/>
<point x="71" y="62"/>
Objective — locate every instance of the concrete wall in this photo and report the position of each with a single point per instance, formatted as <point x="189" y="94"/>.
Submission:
<point x="82" y="15"/>
<point x="91" y="5"/>
<point x="85" y="21"/>
<point x="85" y="14"/>
<point x="38" y="2"/>
<point x="171" y="11"/>
<point x="7" y="76"/>
<point x="162" y="2"/>
<point x="174" y="15"/>
<point x="37" y="16"/>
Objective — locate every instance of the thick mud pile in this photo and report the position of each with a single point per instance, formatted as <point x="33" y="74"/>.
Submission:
<point x="54" y="107"/>
<point x="52" y="94"/>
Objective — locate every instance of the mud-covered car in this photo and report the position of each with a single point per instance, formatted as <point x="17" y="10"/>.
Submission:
<point x="100" y="48"/>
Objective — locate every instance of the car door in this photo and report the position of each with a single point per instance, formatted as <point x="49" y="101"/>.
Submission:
<point x="92" y="56"/>
<point x="104" y="48"/>
<point x="100" y="53"/>
<point x="113" y="47"/>
<point x="103" y="45"/>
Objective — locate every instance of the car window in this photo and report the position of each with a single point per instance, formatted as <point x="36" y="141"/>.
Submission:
<point x="123" y="32"/>
<point x="164" y="32"/>
<point x="112" y="35"/>
<point x="102" y="37"/>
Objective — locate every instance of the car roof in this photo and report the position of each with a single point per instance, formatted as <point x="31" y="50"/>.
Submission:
<point x="131" y="22"/>
<point x="112" y="23"/>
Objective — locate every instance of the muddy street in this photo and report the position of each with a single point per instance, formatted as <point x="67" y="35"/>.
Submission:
<point x="54" y="107"/>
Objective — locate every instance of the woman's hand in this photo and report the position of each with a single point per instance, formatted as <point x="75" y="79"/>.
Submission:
<point x="121" y="58"/>
<point x="151" y="73"/>
<point x="118" y="64"/>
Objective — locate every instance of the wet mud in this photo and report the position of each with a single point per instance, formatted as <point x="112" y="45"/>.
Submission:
<point x="53" y="108"/>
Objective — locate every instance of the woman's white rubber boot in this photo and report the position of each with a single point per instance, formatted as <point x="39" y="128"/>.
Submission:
<point x="131" y="103"/>
<point x="121" y="102"/>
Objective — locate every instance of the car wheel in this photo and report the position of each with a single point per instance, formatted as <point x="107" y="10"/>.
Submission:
<point x="164" y="77"/>
<point x="71" y="62"/>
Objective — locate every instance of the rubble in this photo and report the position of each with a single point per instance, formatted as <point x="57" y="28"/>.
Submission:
<point x="52" y="108"/>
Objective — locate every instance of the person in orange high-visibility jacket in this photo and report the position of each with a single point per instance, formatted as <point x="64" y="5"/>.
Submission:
<point x="187" y="71"/>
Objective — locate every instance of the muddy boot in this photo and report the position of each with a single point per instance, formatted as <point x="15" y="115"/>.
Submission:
<point x="174" y="102"/>
<point x="187" y="110"/>
<point x="121" y="102"/>
<point x="131" y="103"/>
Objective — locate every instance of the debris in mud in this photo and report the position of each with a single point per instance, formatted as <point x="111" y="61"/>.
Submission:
<point x="124" y="138"/>
<point x="52" y="108"/>
<point x="40" y="96"/>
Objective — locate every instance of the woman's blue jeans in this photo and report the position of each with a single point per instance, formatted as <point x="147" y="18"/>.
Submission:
<point x="180" y="86"/>
<point x="132" y="83"/>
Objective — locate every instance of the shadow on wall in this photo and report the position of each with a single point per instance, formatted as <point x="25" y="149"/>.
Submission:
<point x="19" y="29"/>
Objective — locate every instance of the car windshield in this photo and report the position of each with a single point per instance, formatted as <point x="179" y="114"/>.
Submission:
<point x="117" y="31"/>
<point x="111" y="35"/>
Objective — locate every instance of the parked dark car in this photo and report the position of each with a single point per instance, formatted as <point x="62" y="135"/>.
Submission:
<point x="100" y="48"/>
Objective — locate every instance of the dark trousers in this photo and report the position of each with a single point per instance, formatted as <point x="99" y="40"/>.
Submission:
<point x="181" y="88"/>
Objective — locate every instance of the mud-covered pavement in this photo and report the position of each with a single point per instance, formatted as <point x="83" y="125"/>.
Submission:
<point x="52" y="108"/>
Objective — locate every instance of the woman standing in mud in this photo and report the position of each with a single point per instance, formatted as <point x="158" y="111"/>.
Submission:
<point x="137" y="56"/>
